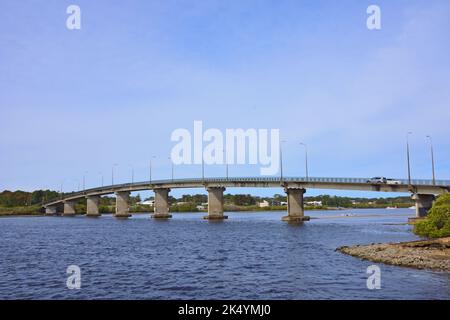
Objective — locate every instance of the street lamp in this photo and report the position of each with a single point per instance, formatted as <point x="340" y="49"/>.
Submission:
<point x="84" y="180"/>
<point x="226" y="162"/>
<point x="43" y="196"/>
<point x="172" y="166"/>
<point x="407" y="157"/>
<point x="203" y="167"/>
<point x="112" y="173"/>
<point x="432" y="158"/>
<point x="61" y="189"/>
<point x="281" y="159"/>
<point x="101" y="175"/>
<point x="306" y="159"/>
<point x="150" y="172"/>
<point x="132" y="174"/>
<point x="78" y="184"/>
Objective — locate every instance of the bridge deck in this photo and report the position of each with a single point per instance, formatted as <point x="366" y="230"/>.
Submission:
<point x="417" y="186"/>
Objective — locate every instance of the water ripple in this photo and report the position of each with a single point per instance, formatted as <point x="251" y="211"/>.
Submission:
<point x="250" y="256"/>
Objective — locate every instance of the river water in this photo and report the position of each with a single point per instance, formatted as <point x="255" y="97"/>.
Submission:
<point x="248" y="256"/>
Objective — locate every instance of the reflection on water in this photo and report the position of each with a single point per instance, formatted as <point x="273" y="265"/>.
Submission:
<point x="248" y="256"/>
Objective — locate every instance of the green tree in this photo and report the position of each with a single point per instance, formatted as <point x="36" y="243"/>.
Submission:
<point x="244" y="200"/>
<point x="437" y="222"/>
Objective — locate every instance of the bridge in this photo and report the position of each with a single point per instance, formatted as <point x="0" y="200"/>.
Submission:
<point x="422" y="191"/>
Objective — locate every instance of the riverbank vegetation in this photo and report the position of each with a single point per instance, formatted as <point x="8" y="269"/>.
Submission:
<point x="437" y="222"/>
<point x="10" y="199"/>
<point x="20" y="210"/>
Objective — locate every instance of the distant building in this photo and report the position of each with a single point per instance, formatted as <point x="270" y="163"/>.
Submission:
<point x="201" y="207"/>
<point x="264" y="204"/>
<point x="283" y="203"/>
<point x="314" y="203"/>
<point x="147" y="203"/>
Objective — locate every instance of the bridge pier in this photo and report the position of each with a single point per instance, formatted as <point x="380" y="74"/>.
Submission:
<point x="424" y="202"/>
<point x="92" y="203"/>
<point x="215" y="203"/>
<point x="161" y="206"/>
<point x="295" y="207"/>
<point x="122" y="204"/>
<point x="69" y="208"/>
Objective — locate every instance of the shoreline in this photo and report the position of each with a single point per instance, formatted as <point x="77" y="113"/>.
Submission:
<point x="433" y="254"/>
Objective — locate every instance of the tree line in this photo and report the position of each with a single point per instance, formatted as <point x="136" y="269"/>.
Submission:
<point x="23" y="198"/>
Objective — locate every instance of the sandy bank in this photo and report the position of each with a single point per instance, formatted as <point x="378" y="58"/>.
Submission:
<point x="424" y="254"/>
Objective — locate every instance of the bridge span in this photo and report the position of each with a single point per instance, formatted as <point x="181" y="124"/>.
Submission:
<point x="422" y="191"/>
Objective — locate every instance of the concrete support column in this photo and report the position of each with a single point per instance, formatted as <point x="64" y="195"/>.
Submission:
<point x="161" y="206"/>
<point x="215" y="203"/>
<point x="122" y="204"/>
<point x="69" y="208"/>
<point x="295" y="206"/>
<point x="92" y="203"/>
<point x="51" y="210"/>
<point x="424" y="202"/>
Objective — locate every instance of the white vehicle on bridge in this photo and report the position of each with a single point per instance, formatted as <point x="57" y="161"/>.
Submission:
<point x="393" y="181"/>
<point x="377" y="180"/>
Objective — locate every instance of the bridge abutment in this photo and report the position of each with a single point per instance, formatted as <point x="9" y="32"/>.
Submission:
<point x="69" y="208"/>
<point x="51" y="210"/>
<point x="161" y="206"/>
<point x="92" y="203"/>
<point x="215" y="204"/>
<point x="424" y="202"/>
<point x="295" y="207"/>
<point x="122" y="204"/>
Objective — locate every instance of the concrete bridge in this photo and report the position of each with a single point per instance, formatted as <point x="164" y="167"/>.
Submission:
<point x="422" y="191"/>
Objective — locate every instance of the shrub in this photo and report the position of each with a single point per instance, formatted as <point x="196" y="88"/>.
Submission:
<point x="437" y="222"/>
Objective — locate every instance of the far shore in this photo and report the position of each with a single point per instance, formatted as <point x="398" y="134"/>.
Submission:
<point x="431" y="254"/>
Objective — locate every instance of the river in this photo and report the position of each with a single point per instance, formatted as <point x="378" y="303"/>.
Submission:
<point x="249" y="256"/>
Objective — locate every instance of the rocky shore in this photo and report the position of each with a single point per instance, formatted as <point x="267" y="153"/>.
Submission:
<point x="422" y="254"/>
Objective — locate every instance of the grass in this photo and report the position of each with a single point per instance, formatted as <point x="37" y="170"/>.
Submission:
<point x="20" y="211"/>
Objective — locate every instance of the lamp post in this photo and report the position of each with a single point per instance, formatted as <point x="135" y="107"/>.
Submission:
<point x="407" y="157"/>
<point x="226" y="166"/>
<point x="203" y="168"/>
<point x="226" y="163"/>
<point x="432" y="158"/>
<point x="61" y="189"/>
<point x="84" y="180"/>
<point x="172" y="166"/>
<point x="78" y="184"/>
<point x="112" y="173"/>
<point x="43" y="196"/>
<point x="281" y="159"/>
<point x="150" y="172"/>
<point x="132" y="174"/>
<point x="306" y="159"/>
<point x="101" y="176"/>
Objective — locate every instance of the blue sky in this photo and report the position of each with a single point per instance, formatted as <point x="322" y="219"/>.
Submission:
<point x="80" y="101"/>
